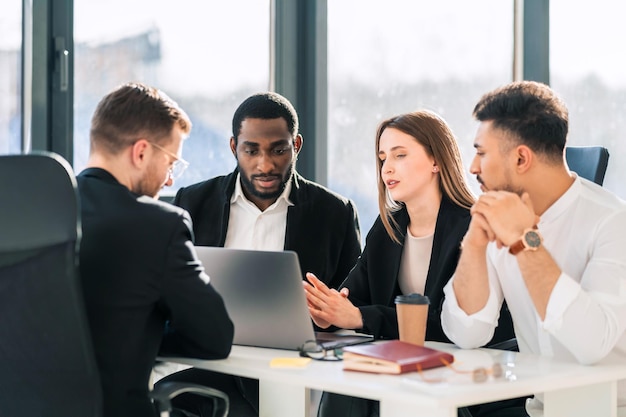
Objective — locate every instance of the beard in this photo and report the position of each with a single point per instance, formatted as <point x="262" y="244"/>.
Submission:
<point x="505" y="185"/>
<point x="149" y="185"/>
<point x="248" y="184"/>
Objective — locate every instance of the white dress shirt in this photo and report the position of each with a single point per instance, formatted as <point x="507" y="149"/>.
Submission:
<point x="585" y="232"/>
<point x="251" y="228"/>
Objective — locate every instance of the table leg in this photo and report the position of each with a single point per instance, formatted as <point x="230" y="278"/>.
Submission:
<point x="283" y="400"/>
<point x="394" y="408"/>
<point x="590" y="400"/>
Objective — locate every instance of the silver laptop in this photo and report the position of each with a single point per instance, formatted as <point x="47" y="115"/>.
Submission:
<point x="265" y="300"/>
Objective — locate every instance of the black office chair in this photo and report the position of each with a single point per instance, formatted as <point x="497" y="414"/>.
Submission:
<point x="589" y="162"/>
<point x="47" y="362"/>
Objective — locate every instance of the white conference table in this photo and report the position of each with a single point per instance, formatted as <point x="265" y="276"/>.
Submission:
<point x="569" y="389"/>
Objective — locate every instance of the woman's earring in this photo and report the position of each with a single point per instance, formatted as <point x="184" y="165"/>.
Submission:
<point x="435" y="169"/>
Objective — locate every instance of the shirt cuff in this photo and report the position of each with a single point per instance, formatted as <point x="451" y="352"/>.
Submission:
<point x="486" y="315"/>
<point x="563" y="294"/>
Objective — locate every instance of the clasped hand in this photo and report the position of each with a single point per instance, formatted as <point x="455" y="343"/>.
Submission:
<point x="327" y="306"/>
<point x="500" y="216"/>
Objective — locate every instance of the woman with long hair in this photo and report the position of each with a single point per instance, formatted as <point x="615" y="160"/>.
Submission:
<point x="413" y="246"/>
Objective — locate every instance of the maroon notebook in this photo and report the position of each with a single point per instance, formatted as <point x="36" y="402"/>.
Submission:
<point x="393" y="357"/>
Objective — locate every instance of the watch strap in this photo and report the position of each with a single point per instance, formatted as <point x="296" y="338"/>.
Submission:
<point x="520" y="245"/>
<point x="517" y="247"/>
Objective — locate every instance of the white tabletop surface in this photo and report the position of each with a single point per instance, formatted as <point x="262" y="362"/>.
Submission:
<point x="569" y="387"/>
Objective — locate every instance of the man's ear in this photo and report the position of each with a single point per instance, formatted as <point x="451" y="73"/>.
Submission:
<point x="233" y="146"/>
<point x="525" y="157"/>
<point x="138" y="153"/>
<point x="297" y="143"/>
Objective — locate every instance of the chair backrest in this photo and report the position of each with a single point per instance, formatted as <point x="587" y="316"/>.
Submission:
<point x="48" y="367"/>
<point x="589" y="162"/>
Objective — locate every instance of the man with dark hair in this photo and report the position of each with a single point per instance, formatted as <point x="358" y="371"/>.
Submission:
<point x="548" y="242"/>
<point x="145" y="291"/>
<point x="264" y="204"/>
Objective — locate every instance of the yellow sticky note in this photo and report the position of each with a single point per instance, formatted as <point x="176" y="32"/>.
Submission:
<point x="289" y="362"/>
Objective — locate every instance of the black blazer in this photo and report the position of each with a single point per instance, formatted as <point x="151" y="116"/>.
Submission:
<point x="138" y="273"/>
<point x="373" y="283"/>
<point x="322" y="226"/>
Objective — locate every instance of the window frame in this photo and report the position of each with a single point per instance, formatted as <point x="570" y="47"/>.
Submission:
<point x="298" y="70"/>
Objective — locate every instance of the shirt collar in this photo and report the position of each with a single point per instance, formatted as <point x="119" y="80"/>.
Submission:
<point x="563" y="203"/>
<point x="238" y="193"/>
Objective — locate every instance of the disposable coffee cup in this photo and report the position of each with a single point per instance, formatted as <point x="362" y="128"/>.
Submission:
<point x="412" y="311"/>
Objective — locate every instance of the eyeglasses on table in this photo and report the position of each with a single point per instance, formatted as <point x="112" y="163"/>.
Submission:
<point x="478" y="375"/>
<point x="312" y="349"/>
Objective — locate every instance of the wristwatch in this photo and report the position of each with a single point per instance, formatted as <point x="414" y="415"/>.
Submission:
<point x="530" y="240"/>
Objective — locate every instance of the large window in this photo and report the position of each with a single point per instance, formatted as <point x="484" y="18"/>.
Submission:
<point x="392" y="57"/>
<point x="208" y="56"/>
<point x="10" y="77"/>
<point x="588" y="70"/>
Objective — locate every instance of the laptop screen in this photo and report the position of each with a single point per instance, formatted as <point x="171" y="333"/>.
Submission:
<point x="263" y="294"/>
<point x="264" y="297"/>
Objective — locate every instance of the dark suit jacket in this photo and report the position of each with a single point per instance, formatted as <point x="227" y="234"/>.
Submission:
<point x="139" y="272"/>
<point x="373" y="283"/>
<point x="322" y="227"/>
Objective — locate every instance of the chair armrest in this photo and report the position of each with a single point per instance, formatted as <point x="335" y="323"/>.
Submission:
<point x="164" y="392"/>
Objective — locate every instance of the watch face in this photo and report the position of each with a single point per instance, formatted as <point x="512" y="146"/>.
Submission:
<point x="533" y="240"/>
